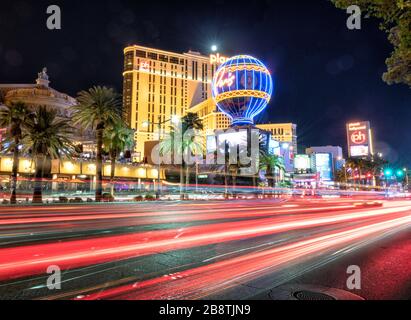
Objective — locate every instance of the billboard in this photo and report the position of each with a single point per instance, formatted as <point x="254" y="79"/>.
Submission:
<point x="324" y="165"/>
<point x="302" y="162"/>
<point x="274" y="147"/>
<point x="232" y="139"/>
<point x="359" y="139"/>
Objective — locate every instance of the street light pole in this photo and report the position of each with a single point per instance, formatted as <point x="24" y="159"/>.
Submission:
<point x="159" y="123"/>
<point x="406" y="178"/>
<point x="158" y="193"/>
<point x="345" y="175"/>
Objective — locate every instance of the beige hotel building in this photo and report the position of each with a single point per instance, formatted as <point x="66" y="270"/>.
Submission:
<point x="158" y="85"/>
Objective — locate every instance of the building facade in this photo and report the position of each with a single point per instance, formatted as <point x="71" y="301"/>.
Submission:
<point x="282" y="132"/>
<point x="41" y="94"/>
<point x="38" y="94"/>
<point x="159" y="85"/>
<point x="335" y="151"/>
<point x="211" y="118"/>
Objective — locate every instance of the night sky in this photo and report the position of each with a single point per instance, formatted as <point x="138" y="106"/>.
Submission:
<point x="326" y="75"/>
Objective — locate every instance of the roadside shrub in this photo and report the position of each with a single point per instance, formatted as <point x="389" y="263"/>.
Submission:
<point x="63" y="200"/>
<point x="150" y="197"/>
<point x="139" y="198"/>
<point x="107" y="197"/>
<point x="76" y="200"/>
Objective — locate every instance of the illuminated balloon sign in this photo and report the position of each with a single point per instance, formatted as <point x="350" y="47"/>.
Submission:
<point x="242" y="88"/>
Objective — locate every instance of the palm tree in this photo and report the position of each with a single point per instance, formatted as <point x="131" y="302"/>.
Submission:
<point x="270" y="163"/>
<point x="47" y="137"/>
<point x="117" y="137"/>
<point x="373" y="166"/>
<point x="13" y="117"/>
<point x="176" y="140"/>
<point x="97" y="108"/>
<point x="192" y="146"/>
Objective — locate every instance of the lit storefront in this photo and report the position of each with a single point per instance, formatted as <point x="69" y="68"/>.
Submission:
<point x="81" y="172"/>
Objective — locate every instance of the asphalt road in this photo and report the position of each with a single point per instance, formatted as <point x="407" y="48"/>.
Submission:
<point x="239" y="249"/>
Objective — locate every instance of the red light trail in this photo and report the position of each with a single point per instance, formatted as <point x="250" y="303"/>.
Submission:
<point x="323" y="226"/>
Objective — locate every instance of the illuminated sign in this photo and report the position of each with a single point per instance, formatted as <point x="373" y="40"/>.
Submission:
<point x="145" y="66"/>
<point x="211" y="144"/>
<point x="323" y="165"/>
<point x="217" y="59"/>
<point x="274" y="147"/>
<point x="242" y="88"/>
<point x="224" y="79"/>
<point x="302" y="162"/>
<point x="359" y="151"/>
<point x="359" y="139"/>
<point x="232" y="139"/>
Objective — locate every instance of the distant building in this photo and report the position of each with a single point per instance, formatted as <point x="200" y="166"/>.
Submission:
<point x="38" y="94"/>
<point x="211" y="118"/>
<point x="282" y="132"/>
<point x="335" y="151"/>
<point x="41" y="94"/>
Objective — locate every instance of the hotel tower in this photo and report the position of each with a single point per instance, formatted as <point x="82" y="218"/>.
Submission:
<point x="159" y="85"/>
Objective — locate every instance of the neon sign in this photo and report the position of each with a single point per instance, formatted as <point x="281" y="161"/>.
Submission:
<point x="217" y="59"/>
<point x="358" y="137"/>
<point x="223" y="80"/>
<point x="242" y="88"/>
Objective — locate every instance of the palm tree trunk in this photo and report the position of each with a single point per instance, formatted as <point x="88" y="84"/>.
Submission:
<point x="181" y="182"/>
<point x="99" y="165"/>
<point x="112" y="171"/>
<point x="14" y="173"/>
<point x="234" y="182"/>
<point x="187" y="180"/>
<point x="226" y="181"/>
<point x="38" y="182"/>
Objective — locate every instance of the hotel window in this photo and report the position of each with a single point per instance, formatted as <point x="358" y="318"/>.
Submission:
<point x="163" y="58"/>
<point x="141" y="54"/>
<point x="174" y="60"/>
<point x="152" y="56"/>
<point x="128" y="61"/>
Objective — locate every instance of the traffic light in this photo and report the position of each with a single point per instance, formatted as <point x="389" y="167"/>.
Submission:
<point x="400" y="173"/>
<point x="388" y="172"/>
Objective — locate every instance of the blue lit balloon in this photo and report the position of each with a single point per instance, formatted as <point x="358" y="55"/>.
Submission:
<point x="242" y="88"/>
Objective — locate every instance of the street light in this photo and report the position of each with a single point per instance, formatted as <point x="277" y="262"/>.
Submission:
<point x="214" y="48"/>
<point x="175" y="120"/>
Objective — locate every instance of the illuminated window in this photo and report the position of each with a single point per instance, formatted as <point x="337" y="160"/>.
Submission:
<point x="141" y="54"/>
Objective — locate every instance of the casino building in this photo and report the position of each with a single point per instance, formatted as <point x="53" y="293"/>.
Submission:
<point x="81" y="170"/>
<point x="158" y="85"/>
